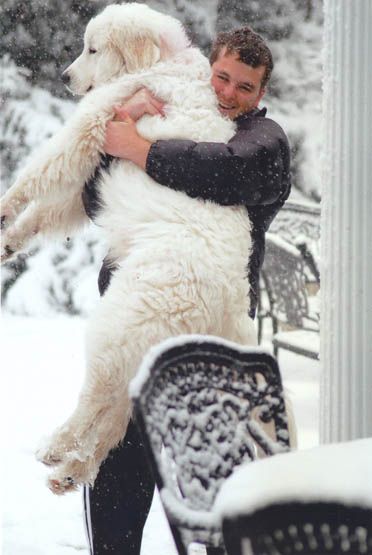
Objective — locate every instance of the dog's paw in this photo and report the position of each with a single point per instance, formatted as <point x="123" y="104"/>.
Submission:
<point x="6" y="253"/>
<point x="71" y="474"/>
<point x="55" y="450"/>
<point x="7" y="214"/>
<point x="11" y="243"/>
<point x="49" y="457"/>
<point x="5" y="217"/>
<point x="60" y="486"/>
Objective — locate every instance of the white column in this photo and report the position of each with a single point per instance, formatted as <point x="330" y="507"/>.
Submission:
<point x="346" y="284"/>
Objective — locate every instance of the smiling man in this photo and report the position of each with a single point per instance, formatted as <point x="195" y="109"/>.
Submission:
<point x="238" y="86"/>
<point x="252" y="169"/>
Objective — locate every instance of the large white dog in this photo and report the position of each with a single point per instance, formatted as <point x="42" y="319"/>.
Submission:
<point x="181" y="261"/>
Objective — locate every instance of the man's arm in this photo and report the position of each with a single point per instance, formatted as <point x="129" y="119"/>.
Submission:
<point x="252" y="169"/>
<point x="122" y="139"/>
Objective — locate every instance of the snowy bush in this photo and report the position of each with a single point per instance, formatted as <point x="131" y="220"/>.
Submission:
<point x="59" y="277"/>
<point x="295" y="101"/>
<point x="30" y="115"/>
<point x="271" y="18"/>
<point x="44" y="36"/>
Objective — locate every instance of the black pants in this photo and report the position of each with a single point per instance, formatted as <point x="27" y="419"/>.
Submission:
<point x="117" y="506"/>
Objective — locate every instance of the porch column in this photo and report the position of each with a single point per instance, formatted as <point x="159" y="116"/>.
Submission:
<point x="346" y="278"/>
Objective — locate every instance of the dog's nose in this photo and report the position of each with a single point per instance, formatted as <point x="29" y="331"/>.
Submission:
<point x="65" y="78"/>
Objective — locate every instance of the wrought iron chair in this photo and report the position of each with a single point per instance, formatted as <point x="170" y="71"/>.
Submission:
<point x="204" y="406"/>
<point x="298" y="219"/>
<point x="317" y="501"/>
<point x="286" y="274"/>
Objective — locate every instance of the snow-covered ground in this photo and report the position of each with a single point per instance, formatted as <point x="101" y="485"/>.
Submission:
<point x="42" y="369"/>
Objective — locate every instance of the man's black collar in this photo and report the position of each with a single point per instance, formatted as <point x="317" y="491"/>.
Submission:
<point x="260" y="112"/>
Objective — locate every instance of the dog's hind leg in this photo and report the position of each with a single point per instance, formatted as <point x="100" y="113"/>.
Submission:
<point x="140" y="308"/>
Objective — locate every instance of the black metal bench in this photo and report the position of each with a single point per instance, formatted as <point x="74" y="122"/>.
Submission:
<point x="203" y="406"/>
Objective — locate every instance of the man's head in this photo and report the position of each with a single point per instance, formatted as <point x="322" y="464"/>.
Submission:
<point x="241" y="67"/>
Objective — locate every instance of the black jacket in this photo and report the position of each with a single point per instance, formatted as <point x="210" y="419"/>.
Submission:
<point x="252" y="169"/>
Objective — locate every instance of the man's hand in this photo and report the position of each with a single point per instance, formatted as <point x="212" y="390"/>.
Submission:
<point x="142" y="102"/>
<point x="123" y="140"/>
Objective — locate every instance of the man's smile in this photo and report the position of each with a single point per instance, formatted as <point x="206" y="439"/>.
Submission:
<point x="225" y="108"/>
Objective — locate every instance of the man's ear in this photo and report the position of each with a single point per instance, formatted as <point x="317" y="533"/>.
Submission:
<point x="138" y="52"/>
<point x="261" y="94"/>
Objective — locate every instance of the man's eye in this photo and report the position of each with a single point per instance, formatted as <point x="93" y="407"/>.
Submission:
<point x="92" y="51"/>
<point x="222" y="77"/>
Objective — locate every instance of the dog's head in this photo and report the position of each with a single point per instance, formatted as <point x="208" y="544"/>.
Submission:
<point x="124" y="38"/>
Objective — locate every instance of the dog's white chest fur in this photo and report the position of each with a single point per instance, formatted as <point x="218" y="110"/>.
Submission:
<point x="139" y="214"/>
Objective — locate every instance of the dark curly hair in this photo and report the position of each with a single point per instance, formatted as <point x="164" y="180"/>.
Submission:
<point x="248" y="45"/>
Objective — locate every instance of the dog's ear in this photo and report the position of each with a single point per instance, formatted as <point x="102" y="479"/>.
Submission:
<point x="138" y="52"/>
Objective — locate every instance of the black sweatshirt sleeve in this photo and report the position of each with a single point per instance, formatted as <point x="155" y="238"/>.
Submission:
<point x="247" y="170"/>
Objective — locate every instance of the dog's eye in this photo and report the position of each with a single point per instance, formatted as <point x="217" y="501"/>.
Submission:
<point x="92" y="51"/>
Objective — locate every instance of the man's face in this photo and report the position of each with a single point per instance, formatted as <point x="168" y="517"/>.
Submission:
<point x="236" y="84"/>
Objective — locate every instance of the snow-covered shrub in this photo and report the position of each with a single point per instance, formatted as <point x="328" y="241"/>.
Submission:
<point x="295" y="101"/>
<point x="30" y="115"/>
<point x="45" y="36"/>
<point x="60" y="276"/>
<point x="271" y="18"/>
<point x="199" y="18"/>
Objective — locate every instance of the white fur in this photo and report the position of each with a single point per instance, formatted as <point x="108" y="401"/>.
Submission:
<point x="182" y="262"/>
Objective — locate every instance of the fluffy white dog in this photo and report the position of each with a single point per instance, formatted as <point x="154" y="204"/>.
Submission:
<point x="181" y="261"/>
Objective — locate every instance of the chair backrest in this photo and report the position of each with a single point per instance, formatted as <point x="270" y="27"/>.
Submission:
<point x="285" y="278"/>
<point x="297" y="219"/>
<point x="212" y="405"/>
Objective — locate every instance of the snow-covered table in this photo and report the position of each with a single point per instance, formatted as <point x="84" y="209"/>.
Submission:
<point x="317" y="500"/>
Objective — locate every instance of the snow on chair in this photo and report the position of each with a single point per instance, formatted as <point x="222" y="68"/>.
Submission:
<point x="316" y="501"/>
<point x="205" y="405"/>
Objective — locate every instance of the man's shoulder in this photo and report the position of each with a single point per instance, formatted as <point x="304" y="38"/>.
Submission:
<point x="256" y="119"/>
<point x="256" y="124"/>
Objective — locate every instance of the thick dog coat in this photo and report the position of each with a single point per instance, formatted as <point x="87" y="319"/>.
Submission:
<point x="181" y="261"/>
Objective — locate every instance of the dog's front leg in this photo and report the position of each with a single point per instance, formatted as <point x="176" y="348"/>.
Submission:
<point x="71" y="156"/>
<point x="41" y="219"/>
<point x="62" y="166"/>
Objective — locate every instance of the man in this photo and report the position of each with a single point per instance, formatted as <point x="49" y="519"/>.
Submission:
<point x="251" y="169"/>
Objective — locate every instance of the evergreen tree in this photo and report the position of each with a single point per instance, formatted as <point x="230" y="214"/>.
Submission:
<point x="198" y="17"/>
<point x="45" y="36"/>
<point x="272" y="18"/>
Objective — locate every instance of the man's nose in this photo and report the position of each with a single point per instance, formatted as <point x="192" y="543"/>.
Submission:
<point x="229" y="90"/>
<point x="65" y="77"/>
